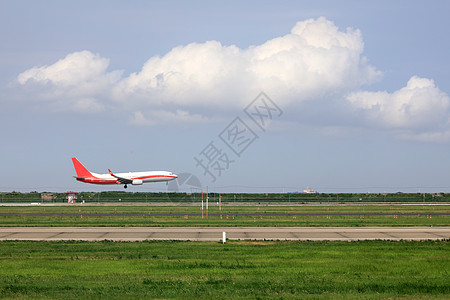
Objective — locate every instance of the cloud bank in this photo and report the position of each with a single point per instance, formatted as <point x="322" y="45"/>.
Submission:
<point x="314" y="62"/>
<point x="420" y="110"/>
<point x="76" y="82"/>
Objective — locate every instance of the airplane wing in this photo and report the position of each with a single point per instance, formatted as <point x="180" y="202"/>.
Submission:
<point x="121" y="179"/>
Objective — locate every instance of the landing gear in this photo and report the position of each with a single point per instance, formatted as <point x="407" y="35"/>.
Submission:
<point x="125" y="186"/>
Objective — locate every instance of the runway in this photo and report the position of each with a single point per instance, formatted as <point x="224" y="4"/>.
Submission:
<point x="215" y="233"/>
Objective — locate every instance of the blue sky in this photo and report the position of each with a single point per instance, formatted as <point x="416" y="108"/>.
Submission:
<point x="361" y="87"/>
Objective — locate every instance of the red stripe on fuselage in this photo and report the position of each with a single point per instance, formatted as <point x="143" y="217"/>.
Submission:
<point x="96" y="180"/>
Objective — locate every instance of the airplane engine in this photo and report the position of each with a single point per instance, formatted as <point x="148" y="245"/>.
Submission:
<point x="137" y="182"/>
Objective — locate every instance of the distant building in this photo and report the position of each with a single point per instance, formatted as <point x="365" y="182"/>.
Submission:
<point x="48" y="196"/>
<point x="71" y="197"/>
<point x="309" y="191"/>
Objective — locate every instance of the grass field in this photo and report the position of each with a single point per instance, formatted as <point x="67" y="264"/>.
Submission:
<point x="151" y="269"/>
<point x="328" y="270"/>
<point x="229" y="216"/>
<point x="129" y="196"/>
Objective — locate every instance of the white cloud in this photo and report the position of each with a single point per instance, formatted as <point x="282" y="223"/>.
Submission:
<point x="74" y="83"/>
<point x="312" y="64"/>
<point x="314" y="60"/>
<point x="418" y="110"/>
<point x="75" y="69"/>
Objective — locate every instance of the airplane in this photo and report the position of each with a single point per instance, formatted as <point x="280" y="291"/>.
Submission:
<point x="134" y="178"/>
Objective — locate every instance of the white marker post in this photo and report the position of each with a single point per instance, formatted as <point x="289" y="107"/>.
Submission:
<point x="224" y="237"/>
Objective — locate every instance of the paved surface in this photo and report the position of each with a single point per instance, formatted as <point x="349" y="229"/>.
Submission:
<point x="215" y="233"/>
<point x="220" y="214"/>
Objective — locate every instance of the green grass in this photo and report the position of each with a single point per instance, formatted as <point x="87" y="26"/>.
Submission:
<point x="261" y="219"/>
<point x="328" y="270"/>
<point x="129" y="196"/>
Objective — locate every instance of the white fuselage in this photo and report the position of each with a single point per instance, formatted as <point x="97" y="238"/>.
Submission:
<point x="148" y="176"/>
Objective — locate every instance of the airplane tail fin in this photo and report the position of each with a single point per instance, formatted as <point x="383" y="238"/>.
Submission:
<point x="80" y="169"/>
